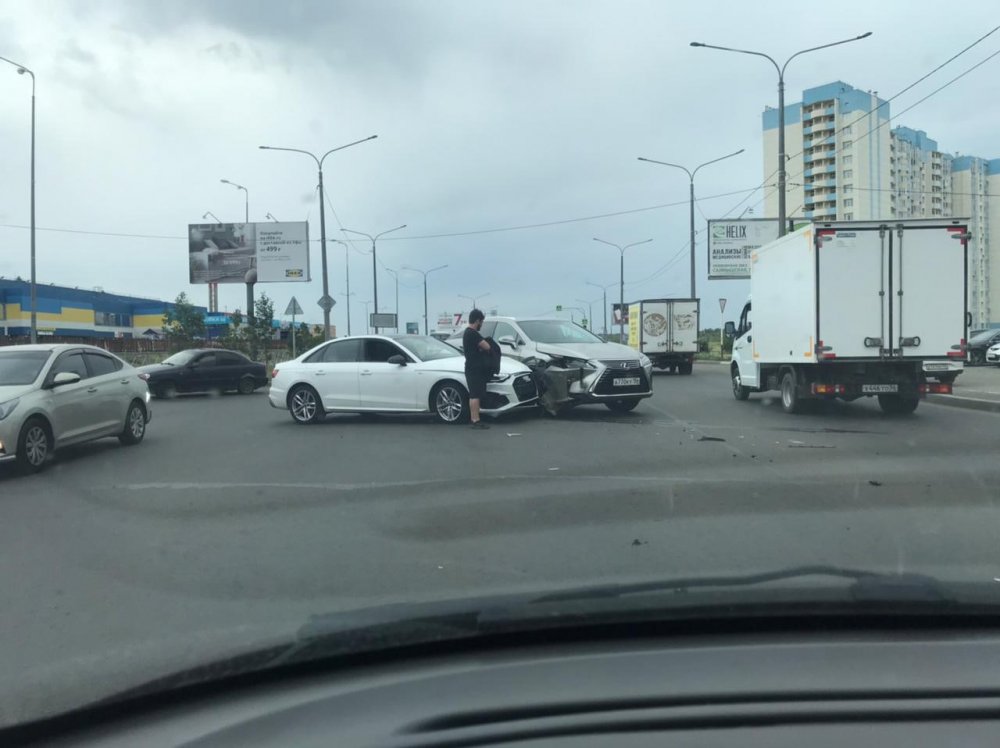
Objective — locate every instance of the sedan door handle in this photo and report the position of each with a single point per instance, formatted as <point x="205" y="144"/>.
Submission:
<point x="91" y="389"/>
<point x="319" y="373"/>
<point x="123" y="381"/>
<point x="366" y="373"/>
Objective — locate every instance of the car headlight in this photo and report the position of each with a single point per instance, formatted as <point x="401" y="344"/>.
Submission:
<point x="575" y="363"/>
<point x="8" y="407"/>
<point x="644" y="361"/>
<point x="500" y="377"/>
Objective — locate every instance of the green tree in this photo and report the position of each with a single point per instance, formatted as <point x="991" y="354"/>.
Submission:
<point x="306" y="338"/>
<point x="183" y="323"/>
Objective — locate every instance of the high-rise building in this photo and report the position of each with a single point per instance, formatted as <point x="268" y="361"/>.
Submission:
<point x="844" y="162"/>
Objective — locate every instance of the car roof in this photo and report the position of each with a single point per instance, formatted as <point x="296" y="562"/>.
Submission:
<point x="53" y="347"/>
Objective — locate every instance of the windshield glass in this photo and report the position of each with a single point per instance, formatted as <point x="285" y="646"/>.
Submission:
<point x="983" y="337"/>
<point x="426" y="348"/>
<point x="557" y="331"/>
<point x="180" y="359"/>
<point x="21" y="367"/>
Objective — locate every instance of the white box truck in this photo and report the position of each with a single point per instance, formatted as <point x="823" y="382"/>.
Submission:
<point x="853" y="309"/>
<point x="666" y="330"/>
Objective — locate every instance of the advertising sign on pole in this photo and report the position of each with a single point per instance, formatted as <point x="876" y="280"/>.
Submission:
<point x="412" y="328"/>
<point x="382" y="319"/>
<point x="228" y="252"/>
<point x="730" y="243"/>
<point x="617" y="315"/>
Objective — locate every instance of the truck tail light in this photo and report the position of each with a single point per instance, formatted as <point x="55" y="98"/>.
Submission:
<point x="825" y="352"/>
<point x="827" y="389"/>
<point x="935" y="388"/>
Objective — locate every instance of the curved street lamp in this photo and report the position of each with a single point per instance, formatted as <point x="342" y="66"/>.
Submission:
<point x="621" y="280"/>
<point x="246" y="198"/>
<point x="425" y="273"/>
<point x="374" y="266"/>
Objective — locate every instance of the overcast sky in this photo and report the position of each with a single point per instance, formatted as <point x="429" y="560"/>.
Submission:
<point x="489" y="115"/>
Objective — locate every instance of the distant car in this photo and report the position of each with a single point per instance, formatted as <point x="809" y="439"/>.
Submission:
<point x="945" y="372"/>
<point x="574" y="365"/>
<point x="993" y="354"/>
<point x="392" y="374"/>
<point x="205" y="370"/>
<point x="980" y="343"/>
<point x="52" y="396"/>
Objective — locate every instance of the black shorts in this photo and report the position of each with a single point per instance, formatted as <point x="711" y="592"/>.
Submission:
<point x="476" y="380"/>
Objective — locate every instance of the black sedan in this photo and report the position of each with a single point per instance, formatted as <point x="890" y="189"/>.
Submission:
<point x="981" y="342"/>
<point x="205" y="370"/>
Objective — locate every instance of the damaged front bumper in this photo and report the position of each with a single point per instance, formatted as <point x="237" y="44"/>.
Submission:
<point x="561" y="386"/>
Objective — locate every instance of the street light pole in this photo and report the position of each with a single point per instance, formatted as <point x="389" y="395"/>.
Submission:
<point x="781" y="108"/>
<point x="374" y="262"/>
<point x="348" y="296"/>
<point x="322" y="220"/>
<point x="691" y="200"/>
<point x="395" y="275"/>
<point x="604" y="290"/>
<point x="425" y="273"/>
<point x="590" y="312"/>
<point x="272" y="218"/>
<point x="21" y="70"/>
<point x="368" y="316"/>
<point x="474" y="299"/>
<point x="621" y="281"/>
<point x="347" y="277"/>
<point x="246" y="198"/>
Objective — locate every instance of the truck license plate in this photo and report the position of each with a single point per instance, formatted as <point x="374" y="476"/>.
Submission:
<point x="626" y="381"/>
<point x="879" y="388"/>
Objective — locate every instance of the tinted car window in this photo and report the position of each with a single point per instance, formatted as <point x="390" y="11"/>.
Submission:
<point x="71" y="362"/>
<point x="343" y="351"/>
<point x="380" y="351"/>
<point x="229" y="359"/>
<point x="204" y="361"/>
<point x="100" y="365"/>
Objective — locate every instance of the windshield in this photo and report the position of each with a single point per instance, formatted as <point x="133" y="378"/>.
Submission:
<point x="321" y="186"/>
<point x="21" y="367"/>
<point x="983" y="337"/>
<point x="557" y="331"/>
<point x="180" y="359"/>
<point x="426" y="348"/>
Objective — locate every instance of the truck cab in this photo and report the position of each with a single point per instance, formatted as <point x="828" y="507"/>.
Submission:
<point x="744" y="371"/>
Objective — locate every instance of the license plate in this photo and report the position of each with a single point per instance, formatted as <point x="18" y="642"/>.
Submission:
<point x="626" y="381"/>
<point x="879" y="388"/>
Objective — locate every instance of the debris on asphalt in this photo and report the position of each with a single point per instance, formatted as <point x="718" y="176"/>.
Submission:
<point x="800" y="445"/>
<point x="553" y="469"/>
<point x="639" y="542"/>
<point x="710" y="439"/>
<point x="510" y="434"/>
<point x="874" y="483"/>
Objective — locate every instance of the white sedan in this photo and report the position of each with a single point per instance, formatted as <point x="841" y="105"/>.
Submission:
<point x="392" y="374"/>
<point x="993" y="354"/>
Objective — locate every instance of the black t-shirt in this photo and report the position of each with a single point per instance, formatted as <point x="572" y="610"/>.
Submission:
<point x="470" y="347"/>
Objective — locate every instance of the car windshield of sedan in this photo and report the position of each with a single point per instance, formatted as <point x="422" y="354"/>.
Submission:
<point x="180" y="359"/>
<point x="21" y="367"/>
<point x="983" y="337"/>
<point x="557" y="331"/>
<point x="426" y="348"/>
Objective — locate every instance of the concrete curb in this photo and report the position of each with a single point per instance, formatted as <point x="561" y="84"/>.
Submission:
<point x="969" y="403"/>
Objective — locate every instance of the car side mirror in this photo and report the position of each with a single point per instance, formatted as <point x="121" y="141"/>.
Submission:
<point x="64" y="378"/>
<point x="398" y="359"/>
<point x="729" y="330"/>
<point x="508" y="340"/>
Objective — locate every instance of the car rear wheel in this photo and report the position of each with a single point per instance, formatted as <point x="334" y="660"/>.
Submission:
<point x="34" y="445"/>
<point x="450" y="402"/>
<point x="621" y="406"/>
<point x="246" y="386"/>
<point x="789" y="393"/>
<point x="304" y="405"/>
<point x="686" y="368"/>
<point x="135" y="425"/>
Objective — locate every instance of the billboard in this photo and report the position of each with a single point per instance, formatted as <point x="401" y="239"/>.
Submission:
<point x="730" y="243"/>
<point x="242" y="252"/>
<point x="619" y="314"/>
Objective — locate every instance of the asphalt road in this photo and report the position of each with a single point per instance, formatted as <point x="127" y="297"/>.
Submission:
<point x="231" y="524"/>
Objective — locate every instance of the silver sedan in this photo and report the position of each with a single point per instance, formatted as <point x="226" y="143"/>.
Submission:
<point x="52" y="396"/>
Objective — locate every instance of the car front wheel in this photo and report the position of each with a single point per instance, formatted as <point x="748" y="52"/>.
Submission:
<point x="621" y="406"/>
<point x="450" y="403"/>
<point x="33" y="445"/>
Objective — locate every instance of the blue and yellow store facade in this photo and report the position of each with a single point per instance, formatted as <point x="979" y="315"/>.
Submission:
<point x="78" y="313"/>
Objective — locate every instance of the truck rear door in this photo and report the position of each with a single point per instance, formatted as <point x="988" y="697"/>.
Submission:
<point x="654" y="327"/>
<point x="683" y="327"/>
<point x="853" y="276"/>
<point x="928" y="299"/>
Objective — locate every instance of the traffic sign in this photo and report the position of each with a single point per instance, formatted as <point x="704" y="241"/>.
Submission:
<point x="722" y="305"/>
<point x="293" y="309"/>
<point x="326" y="302"/>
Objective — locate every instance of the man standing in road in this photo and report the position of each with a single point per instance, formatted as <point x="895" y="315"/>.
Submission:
<point x="476" y="350"/>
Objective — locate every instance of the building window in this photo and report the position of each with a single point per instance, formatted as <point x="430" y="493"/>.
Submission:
<point x="848" y="173"/>
<point x="848" y="216"/>
<point x="847" y="144"/>
<point x="846" y="130"/>
<point x="849" y="202"/>
<point x="847" y="160"/>
<point x="110" y="319"/>
<point x="848" y="187"/>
